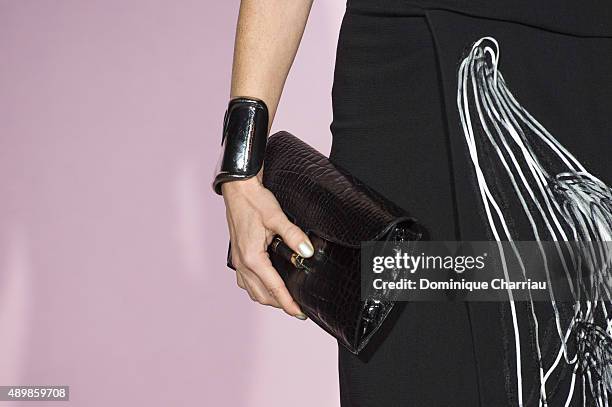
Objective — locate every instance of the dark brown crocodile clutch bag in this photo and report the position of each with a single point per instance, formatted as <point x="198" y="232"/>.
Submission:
<point x="338" y="212"/>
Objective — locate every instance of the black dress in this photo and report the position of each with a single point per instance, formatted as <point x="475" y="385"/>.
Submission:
<point x="396" y="125"/>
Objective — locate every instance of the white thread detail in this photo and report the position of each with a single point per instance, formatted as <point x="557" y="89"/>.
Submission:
<point x="562" y="202"/>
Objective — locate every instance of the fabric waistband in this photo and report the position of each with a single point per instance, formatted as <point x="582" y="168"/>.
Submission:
<point x="584" y="18"/>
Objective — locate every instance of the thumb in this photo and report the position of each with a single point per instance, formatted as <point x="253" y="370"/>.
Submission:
<point x="291" y="234"/>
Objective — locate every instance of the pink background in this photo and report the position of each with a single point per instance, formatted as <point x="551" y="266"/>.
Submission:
<point x="112" y="245"/>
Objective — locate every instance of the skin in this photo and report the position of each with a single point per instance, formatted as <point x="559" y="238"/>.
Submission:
<point x="268" y="35"/>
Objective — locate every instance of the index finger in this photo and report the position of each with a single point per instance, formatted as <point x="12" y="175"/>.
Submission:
<point x="276" y="287"/>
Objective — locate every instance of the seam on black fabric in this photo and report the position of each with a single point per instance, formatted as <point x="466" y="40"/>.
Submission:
<point x="454" y="195"/>
<point x="522" y="23"/>
<point x="422" y="12"/>
<point x="469" y="316"/>
<point x="446" y="124"/>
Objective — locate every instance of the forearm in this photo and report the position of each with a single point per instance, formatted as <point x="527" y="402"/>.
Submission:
<point x="268" y="35"/>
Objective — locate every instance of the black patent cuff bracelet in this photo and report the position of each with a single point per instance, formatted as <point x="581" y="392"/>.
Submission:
<point x="243" y="145"/>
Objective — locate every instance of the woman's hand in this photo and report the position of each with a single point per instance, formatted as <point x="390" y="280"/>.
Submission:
<point x="254" y="216"/>
<point x="268" y="34"/>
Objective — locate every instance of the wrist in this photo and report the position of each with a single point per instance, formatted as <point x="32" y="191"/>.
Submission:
<point x="241" y="186"/>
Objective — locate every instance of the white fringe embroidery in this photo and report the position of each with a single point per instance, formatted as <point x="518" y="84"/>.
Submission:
<point x="562" y="202"/>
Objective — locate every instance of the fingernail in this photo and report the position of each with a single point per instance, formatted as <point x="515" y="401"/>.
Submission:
<point x="306" y="250"/>
<point x="301" y="316"/>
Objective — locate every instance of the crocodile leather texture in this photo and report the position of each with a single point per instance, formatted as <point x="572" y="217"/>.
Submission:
<point x="338" y="212"/>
